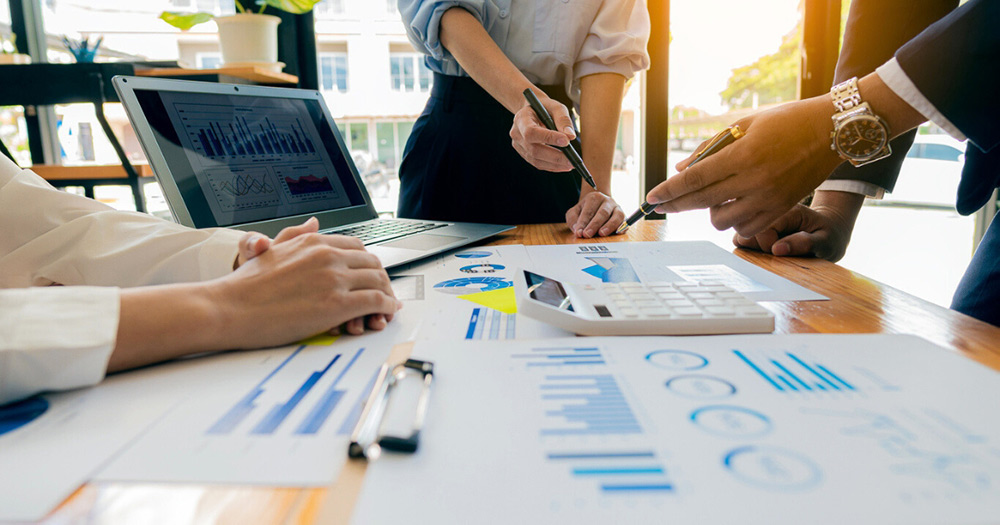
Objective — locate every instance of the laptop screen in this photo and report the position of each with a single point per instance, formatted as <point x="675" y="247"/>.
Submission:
<point x="239" y="158"/>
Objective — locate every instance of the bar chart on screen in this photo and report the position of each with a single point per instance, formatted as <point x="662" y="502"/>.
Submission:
<point x="282" y="426"/>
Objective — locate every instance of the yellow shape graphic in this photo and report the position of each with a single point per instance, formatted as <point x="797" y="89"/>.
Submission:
<point x="502" y="299"/>
<point x="323" y="339"/>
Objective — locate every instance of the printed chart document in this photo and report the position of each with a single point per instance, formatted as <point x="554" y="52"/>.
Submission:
<point x="278" y="417"/>
<point x="470" y="294"/>
<point x="646" y="262"/>
<point x="52" y="444"/>
<point x="724" y="429"/>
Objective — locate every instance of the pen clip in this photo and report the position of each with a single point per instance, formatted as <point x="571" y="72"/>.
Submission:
<point x="367" y="439"/>
<point x="733" y="130"/>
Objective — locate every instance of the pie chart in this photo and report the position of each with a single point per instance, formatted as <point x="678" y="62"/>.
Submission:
<point x="468" y="285"/>
<point x="15" y="415"/>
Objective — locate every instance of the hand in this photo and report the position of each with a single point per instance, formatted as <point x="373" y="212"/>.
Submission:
<point x="253" y="244"/>
<point x="533" y="141"/>
<point x="595" y="214"/>
<point x="823" y="231"/>
<point x="753" y="181"/>
<point x="299" y="288"/>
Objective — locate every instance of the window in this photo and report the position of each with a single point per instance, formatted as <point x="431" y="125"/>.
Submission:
<point x="409" y="73"/>
<point x="333" y="72"/>
<point x="209" y="60"/>
<point x="359" y="137"/>
<point x="329" y="9"/>
<point x="391" y="7"/>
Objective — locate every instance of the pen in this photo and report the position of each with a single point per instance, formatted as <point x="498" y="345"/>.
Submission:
<point x="569" y="151"/>
<point x="719" y="141"/>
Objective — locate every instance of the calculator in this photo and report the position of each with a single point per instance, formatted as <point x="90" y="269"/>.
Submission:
<point x="658" y="308"/>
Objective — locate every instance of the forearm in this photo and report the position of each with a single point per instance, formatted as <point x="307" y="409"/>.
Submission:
<point x="466" y="39"/>
<point x="844" y="205"/>
<point x="159" y="323"/>
<point x="600" y="111"/>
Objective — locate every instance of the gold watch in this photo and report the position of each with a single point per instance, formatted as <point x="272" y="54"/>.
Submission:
<point x="859" y="136"/>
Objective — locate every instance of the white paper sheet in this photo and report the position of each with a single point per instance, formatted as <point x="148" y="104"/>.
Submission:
<point x="278" y="417"/>
<point x="663" y="261"/>
<point x="44" y="461"/>
<point x="444" y="307"/>
<point x="737" y="429"/>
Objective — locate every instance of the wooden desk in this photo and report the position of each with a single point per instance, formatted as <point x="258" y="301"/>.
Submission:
<point x="857" y="305"/>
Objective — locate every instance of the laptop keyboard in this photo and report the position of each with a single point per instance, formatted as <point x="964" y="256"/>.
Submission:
<point x="386" y="229"/>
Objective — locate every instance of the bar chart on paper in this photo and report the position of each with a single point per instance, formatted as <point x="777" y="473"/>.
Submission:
<point x="789" y="372"/>
<point x="282" y="427"/>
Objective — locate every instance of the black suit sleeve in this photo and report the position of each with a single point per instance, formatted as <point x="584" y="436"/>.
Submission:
<point x="955" y="64"/>
<point x="875" y="30"/>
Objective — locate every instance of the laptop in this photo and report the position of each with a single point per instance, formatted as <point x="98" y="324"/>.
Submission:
<point x="264" y="158"/>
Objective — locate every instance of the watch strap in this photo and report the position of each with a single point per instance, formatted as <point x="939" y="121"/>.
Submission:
<point x="846" y="95"/>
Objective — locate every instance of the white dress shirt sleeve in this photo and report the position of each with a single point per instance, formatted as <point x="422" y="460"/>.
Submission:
<point x="49" y="236"/>
<point x="55" y="338"/>
<point x="60" y="337"/>
<point x="860" y="187"/>
<point x="616" y="42"/>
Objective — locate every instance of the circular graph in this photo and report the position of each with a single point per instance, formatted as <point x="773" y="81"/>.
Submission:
<point x="482" y="268"/>
<point x="473" y="255"/>
<point x="676" y="360"/>
<point x="701" y="387"/>
<point x="731" y="422"/>
<point x="16" y="415"/>
<point x="467" y="285"/>
<point x="772" y="468"/>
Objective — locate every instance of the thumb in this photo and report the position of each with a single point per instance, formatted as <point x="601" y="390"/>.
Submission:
<point x="800" y="244"/>
<point x="251" y="245"/>
<point x="310" y="226"/>
<point x="560" y="114"/>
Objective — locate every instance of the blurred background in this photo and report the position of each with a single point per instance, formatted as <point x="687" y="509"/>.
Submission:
<point x="727" y="59"/>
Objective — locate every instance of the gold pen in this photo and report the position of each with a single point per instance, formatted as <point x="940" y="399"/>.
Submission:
<point x="719" y="141"/>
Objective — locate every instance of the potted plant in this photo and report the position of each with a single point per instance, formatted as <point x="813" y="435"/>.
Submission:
<point x="246" y="38"/>
<point x="8" y="51"/>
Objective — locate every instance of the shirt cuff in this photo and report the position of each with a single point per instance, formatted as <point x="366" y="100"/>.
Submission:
<point x="896" y="79"/>
<point x="218" y="254"/>
<point x="55" y="338"/>
<point x="853" y="186"/>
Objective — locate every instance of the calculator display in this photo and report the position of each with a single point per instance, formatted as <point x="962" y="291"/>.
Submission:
<point x="548" y="291"/>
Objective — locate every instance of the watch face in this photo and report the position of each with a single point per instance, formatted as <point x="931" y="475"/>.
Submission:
<point x="861" y="137"/>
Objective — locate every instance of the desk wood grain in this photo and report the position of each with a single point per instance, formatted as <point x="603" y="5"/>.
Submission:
<point x="857" y="305"/>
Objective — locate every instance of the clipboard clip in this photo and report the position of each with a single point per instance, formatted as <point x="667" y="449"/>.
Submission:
<point x="367" y="439"/>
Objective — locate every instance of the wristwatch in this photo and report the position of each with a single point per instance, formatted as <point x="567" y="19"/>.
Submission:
<point x="859" y="136"/>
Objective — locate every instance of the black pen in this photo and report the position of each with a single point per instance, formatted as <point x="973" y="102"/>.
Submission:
<point x="569" y="151"/>
<point x="719" y="141"/>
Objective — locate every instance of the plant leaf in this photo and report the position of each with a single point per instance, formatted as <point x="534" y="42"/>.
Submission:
<point x="296" y="7"/>
<point x="185" y="21"/>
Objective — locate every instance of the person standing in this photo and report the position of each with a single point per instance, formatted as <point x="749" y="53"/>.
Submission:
<point x="478" y="153"/>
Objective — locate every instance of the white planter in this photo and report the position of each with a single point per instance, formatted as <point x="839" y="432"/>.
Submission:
<point x="14" y="58"/>
<point x="248" y="37"/>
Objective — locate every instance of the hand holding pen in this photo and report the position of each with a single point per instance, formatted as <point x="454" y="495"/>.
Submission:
<point x="568" y="151"/>
<point x="713" y="146"/>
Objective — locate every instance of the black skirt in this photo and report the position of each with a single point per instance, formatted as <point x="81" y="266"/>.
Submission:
<point x="459" y="164"/>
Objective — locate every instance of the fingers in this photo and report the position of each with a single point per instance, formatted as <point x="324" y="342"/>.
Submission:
<point x="310" y="226"/>
<point x="572" y="215"/>
<point x="251" y="245"/>
<point x="370" y="280"/>
<point x="602" y="222"/>
<point x="695" y="179"/>
<point x="589" y="207"/>
<point x="368" y="302"/>
<point x="560" y="115"/>
<point x="355" y="326"/>
<point x="534" y="142"/>
<point x="357" y="259"/>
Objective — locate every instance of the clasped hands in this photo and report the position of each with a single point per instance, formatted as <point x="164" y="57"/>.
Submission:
<point x="596" y="213"/>
<point x="303" y="283"/>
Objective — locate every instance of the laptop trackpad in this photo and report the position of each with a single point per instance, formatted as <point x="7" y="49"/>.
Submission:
<point x="424" y="241"/>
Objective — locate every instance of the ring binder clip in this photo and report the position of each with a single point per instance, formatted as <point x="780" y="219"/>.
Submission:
<point x="367" y="440"/>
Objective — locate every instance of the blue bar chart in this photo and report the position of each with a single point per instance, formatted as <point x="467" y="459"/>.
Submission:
<point x="562" y="356"/>
<point x="789" y="373"/>
<point x="487" y="323"/>
<point x="617" y="472"/>
<point x="279" y="413"/>
<point x="579" y="405"/>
